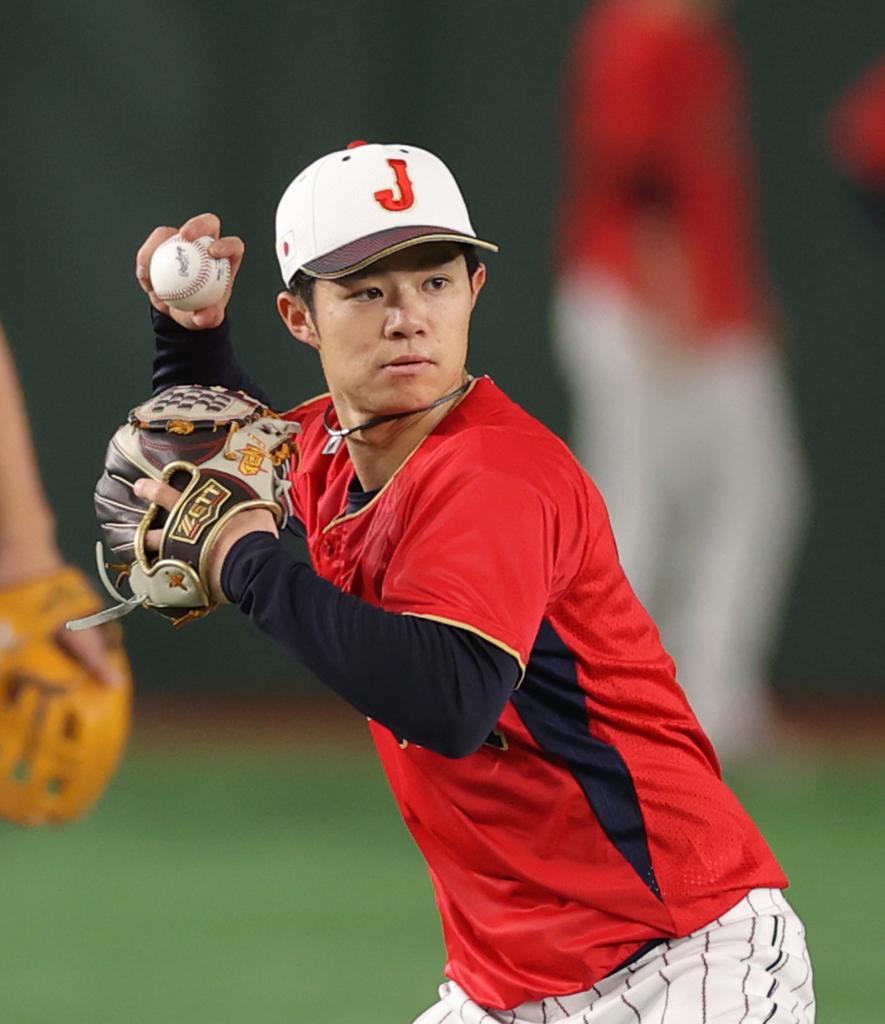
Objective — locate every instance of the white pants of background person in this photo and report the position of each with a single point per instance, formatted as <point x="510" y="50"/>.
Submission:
<point x="696" y="454"/>
<point x="750" y="966"/>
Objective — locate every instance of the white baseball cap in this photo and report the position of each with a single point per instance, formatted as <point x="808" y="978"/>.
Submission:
<point x="351" y="207"/>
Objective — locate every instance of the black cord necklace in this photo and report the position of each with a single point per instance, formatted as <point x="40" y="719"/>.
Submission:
<point x="337" y="434"/>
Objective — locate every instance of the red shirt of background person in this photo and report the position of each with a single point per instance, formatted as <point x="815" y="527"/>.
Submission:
<point x="858" y="129"/>
<point x="658" y="187"/>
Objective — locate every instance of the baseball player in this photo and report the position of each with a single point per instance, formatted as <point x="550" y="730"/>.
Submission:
<point x="665" y="328"/>
<point x="29" y="553"/>
<point x="464" y="594"/>
<point x="857" y="135"/>
<point x="64" y="697"/>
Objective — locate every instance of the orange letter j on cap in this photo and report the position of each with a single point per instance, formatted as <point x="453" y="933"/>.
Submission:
<point x="388" y="198"/>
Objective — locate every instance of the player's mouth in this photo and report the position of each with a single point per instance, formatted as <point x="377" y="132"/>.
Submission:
<point x="406" y="365"/>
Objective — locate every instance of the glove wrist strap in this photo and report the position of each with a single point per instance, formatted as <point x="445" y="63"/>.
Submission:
<point x="125" y="606"/>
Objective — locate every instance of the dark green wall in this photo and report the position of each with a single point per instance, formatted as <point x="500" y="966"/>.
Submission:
<point x="116" y="117"/>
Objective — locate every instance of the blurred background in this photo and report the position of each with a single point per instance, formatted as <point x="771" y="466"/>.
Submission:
<point x="247" y="863"/>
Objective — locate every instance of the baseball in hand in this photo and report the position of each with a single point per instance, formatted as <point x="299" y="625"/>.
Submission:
<point x="184" y="275"/>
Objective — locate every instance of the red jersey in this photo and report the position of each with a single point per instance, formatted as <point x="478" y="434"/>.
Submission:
<point x="656" y="112"/>
<point x="594" y="819"/>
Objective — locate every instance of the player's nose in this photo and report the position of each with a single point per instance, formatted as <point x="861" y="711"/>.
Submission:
<point x="406" y="317"/>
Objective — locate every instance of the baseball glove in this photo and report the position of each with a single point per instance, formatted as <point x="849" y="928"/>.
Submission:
<point x="62" y="730"/>
<point x="225" y="452"/>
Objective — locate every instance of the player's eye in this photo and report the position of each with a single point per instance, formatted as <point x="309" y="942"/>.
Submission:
<point x="367" y="294"/>
<point x="437" y="283"/>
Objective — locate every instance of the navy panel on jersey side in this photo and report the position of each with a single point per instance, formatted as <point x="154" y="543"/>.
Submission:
<point x="552" y="705"/>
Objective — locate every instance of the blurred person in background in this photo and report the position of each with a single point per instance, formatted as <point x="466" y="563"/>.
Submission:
<point x="65" y="698"/>
<point x="666" y="332"/>
<point x="31" y="564"/>
<point x="857" y="134"/>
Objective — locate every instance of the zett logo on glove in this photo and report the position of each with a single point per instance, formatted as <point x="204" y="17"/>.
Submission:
<point x="202" y="509"/>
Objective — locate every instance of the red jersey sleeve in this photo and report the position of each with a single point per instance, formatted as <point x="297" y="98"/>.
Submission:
<point x="309" y="468"/>
<point x="487" y="546"/>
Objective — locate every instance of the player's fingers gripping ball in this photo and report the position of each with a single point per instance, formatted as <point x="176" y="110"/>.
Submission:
<point x="185" y="276"/>
<point x="62" y="729"/>
<point x="225" y="452"/>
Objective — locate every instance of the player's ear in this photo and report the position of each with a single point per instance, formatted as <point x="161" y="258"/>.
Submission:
<point x="296" y="316"/>
<point x="477" y="282"/>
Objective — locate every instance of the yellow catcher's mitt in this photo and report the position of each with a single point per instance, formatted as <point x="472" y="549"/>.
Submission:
<point x="62" y="730"/>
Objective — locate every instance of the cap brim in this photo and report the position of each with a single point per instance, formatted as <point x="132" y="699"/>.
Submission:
<point x="353" y="257"/>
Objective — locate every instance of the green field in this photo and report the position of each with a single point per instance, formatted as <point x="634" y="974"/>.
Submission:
<point x="223" y="883"/>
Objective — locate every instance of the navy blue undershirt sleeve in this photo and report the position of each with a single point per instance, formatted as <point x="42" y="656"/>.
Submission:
<point x="436" y="685"/>
<point x="202" y="357"/>
<point x="198" y="357"/>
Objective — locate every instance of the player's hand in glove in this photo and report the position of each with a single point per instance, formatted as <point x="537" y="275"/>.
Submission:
<point x="183" y="480"/>
<point x="64" y="700"/>
<point x="230" y="247"/>
<point x="250" y="521"/>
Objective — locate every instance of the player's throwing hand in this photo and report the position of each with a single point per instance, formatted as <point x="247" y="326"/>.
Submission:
<point x="229" y="247"/>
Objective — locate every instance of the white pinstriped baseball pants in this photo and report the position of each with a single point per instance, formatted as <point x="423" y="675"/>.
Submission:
<point x="750" y="966"/>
